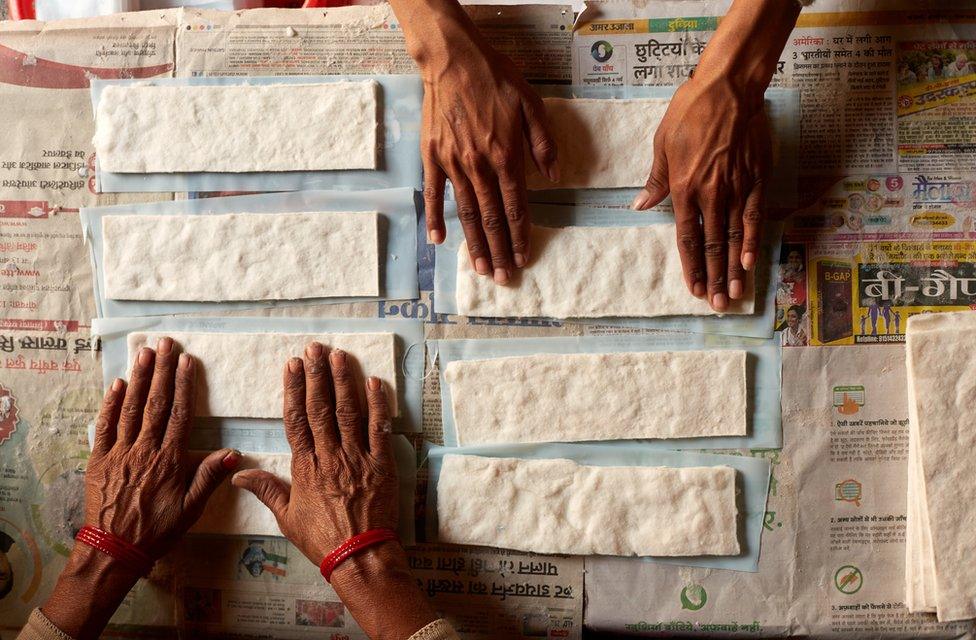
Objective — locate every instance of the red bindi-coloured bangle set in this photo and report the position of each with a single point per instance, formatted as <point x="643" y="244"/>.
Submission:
<point x="353" y="546"/>
<point x="125" y="552"/>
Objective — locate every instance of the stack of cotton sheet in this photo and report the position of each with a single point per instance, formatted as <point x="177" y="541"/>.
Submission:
<point x="941" y="361"/>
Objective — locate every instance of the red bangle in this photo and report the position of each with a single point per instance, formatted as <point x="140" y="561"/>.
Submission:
<point x="125" y="552"/>
<point x="353" y="546"/>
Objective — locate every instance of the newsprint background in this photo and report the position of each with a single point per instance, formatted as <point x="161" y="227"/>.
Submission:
<point x="883" y="228"/>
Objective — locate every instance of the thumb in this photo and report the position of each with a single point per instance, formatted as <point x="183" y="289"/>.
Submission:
<point x="656" y="188"/>
<point x="266" y="487"/>
<point x="209" y="474"/>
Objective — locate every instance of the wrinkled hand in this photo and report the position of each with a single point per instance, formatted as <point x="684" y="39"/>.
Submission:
<point x="339" y="488"/>
<point x="140" y="485"/>
<point x="712" y="154"/>
<point x="478" y="113"/>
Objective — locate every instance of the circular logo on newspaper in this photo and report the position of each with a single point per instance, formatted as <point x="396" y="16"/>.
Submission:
<point x="693" y="597"/>
<point x="8" y="414"/>
<point x="848" y="579"/>
<point x="601" y="50"/>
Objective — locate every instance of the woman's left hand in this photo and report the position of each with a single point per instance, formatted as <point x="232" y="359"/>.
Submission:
<point x="140" y="486"/>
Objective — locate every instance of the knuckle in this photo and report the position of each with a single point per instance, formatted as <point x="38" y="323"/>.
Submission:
<point x="157" y="407"/>
<point x="717" y="281"/>
<point x="432" y="193"/>
<point x="476" y="248"/>
<point x="544" y="147"/>
<point x="492" y="222"/>
<point x="295" y="416"/>
<point x="735" y="235"/>
<point x="714" y="249"/>
<point x="130" y="413"/>
<point x="751" y="216"/>
<point x="318" y="407"/>
<point x="179" y="413"/>
<point x="467" y="214"/>
<point x="514" y="211"/>
<point x="689" y="242"/>
<point x="347" y="414"/>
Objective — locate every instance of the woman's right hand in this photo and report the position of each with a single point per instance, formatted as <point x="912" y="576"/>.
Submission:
<point x="479" y="117"/>
<point x="344" y="482"/>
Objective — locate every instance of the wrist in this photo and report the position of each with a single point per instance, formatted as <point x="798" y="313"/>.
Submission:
<point x="88" y="591"/>
<point x="746" y="47"/>
<point x="436" y="32"/>
<point x="381" y="593"/>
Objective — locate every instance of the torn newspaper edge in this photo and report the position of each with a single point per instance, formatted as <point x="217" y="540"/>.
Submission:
<point x="782" y="110"/>
<point x="215" y="432"/>
<point x="757" y="325"/>
<point x="763" y="377"/>
<point x="752" y="485"/>
<point x="397" y="241"/>
<point x="399" y="99"/>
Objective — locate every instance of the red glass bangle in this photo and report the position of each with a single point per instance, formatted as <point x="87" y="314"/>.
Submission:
<point x="125" y="552"/>
<point x="353" y="546"/>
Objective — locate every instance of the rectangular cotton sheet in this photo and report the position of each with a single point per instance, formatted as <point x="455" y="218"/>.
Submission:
<point x="146" y="128"/>
<point x="241" y="256"/>
<point x="559" y="506"/>
<point x="602" y="143"/>
<point x="605" y="396"/>
<point x="941" y="356"/>
<point x="241" y="373"/>
<point x="591" y="272"/>
<point x="233" y="511"/>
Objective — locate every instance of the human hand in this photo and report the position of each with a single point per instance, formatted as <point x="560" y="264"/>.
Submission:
<point x="139" y="485"/>
<point x="343" y="483"/>
<point x="140" y="452"/>
<point x="712" y="149"/>
<point x="478" y="114"/>
<point x="712" y="154"/>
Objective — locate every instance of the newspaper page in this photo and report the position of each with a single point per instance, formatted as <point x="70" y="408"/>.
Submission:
<point x="211" y="587"/>
<point x="885" y="230"/>
<point x="50" y="377"/>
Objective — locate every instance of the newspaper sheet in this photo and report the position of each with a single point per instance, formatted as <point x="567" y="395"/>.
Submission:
<point x="50" y="368"/>
<point x="885" y="230"/>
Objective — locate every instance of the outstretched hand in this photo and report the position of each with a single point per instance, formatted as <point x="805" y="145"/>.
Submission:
<point x="712" y="155"/>
<point x="140" y="486"/>
<point x="479" y="117"/>
<point x="343" y="483"/>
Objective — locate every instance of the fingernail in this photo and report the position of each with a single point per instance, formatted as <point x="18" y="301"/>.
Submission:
<point x="698" y="289"/>
<point x="295" y="365"/>
<point x="640" y="202"/>
<point x="231" y="460"/>
<point x="338" y="357"/>
<point x="435" y="236"/>
<point x="164" y="346"/>
<point x="553" y="173"/>
<point x="373" y="384"/>
<point x="145" y="356"/>
<point x="748" y="260"/>
<point x="313" y="351"/>
<point x="117" y="384"/>
<point x="719" y="301"/>
<point x="501" y="275"/>
<point x="519" y="260"/>
<point x="735" y="289"/>
<point x="481" y="266"/>
<point x="185" y="361"/>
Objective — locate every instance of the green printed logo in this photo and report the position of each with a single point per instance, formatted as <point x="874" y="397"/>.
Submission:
<point x="693" y="597"/>
<point x="848" y="579"/>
